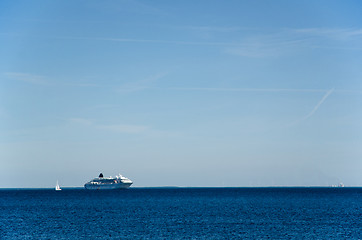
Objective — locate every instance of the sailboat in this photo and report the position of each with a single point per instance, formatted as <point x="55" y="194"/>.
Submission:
<point x="57" y="187"/>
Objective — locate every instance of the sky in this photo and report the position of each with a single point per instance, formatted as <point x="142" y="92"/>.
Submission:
<point x="205" y="93"/>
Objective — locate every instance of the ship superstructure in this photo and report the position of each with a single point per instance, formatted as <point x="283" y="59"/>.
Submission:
<point x="101" y="183"/>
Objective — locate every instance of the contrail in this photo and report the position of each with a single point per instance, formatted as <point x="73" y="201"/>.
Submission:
<point x="329" y="92"/>
<point x="245" y="89"/>
<point x="318" y="104"/>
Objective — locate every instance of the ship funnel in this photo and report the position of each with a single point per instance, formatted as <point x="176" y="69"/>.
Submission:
<point x="100" y="175"/>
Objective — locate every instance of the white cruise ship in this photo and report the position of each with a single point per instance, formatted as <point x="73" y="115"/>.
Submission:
<point x="101" y="183"/>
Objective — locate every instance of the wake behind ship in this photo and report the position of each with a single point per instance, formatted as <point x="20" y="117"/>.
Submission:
<point x="100" y="183"/>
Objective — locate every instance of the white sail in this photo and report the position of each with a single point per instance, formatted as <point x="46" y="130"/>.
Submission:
<point x="57" y="187"/>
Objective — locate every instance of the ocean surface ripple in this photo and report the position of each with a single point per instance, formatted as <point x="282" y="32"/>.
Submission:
<point x="182" y="213"/>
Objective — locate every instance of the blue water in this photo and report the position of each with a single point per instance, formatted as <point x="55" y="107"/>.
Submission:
<point x="182" y="213"/>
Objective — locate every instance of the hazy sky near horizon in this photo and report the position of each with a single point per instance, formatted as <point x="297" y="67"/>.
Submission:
<point x="181" y="93"/>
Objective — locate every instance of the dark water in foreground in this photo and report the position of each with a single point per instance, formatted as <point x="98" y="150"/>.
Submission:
<point x="182" y="213"/>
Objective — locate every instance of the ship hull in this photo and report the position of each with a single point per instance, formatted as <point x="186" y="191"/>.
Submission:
<point x="113" y="186"/>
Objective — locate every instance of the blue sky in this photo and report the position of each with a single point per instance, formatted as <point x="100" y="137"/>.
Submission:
<point x="181" y="93"/>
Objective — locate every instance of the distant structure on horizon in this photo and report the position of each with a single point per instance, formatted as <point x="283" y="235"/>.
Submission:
<point x="339" y="185"/>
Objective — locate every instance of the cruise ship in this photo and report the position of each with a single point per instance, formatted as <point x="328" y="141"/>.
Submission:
<point x="100" y="183"/>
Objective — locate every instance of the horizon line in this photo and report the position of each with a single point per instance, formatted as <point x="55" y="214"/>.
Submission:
<point x="266" y="186"/>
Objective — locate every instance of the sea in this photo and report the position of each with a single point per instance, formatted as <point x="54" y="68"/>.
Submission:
<point x="182" y="213"/>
